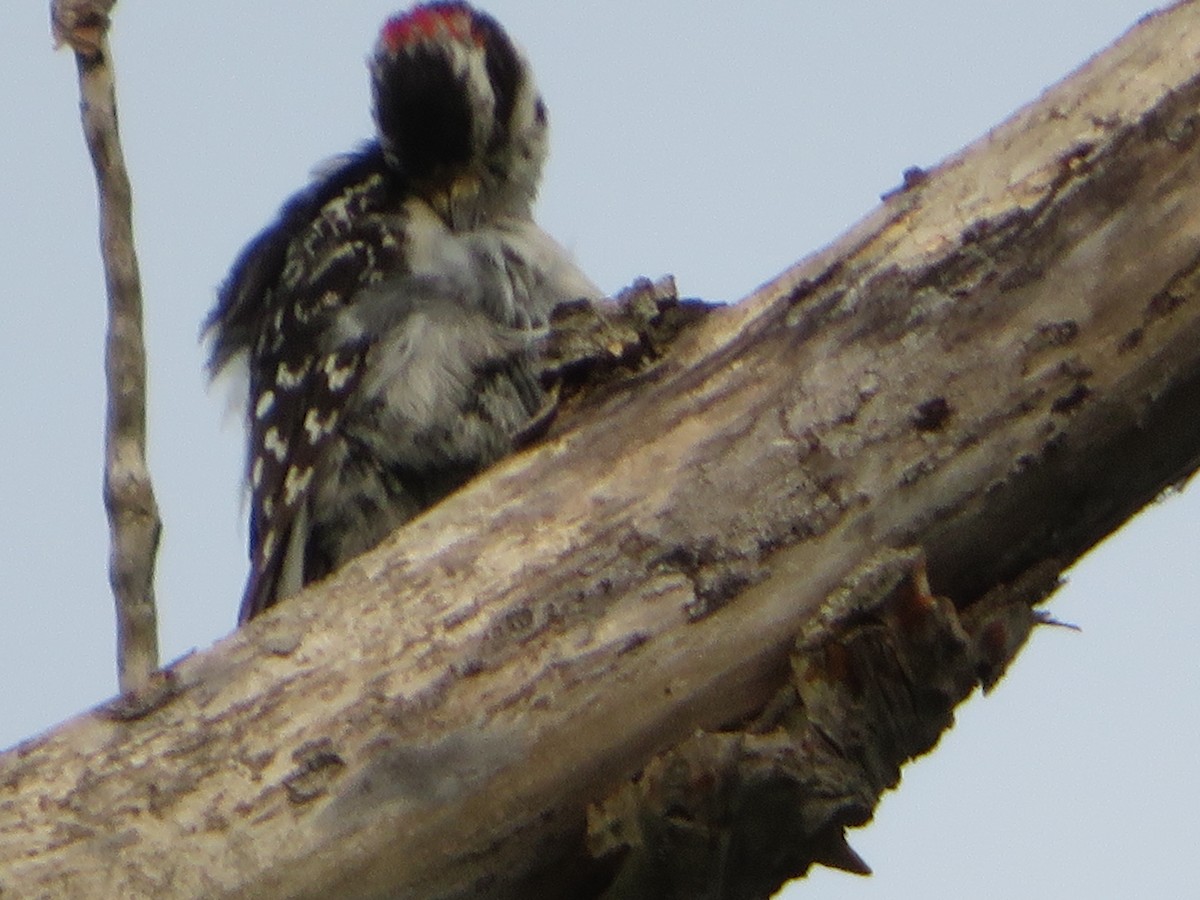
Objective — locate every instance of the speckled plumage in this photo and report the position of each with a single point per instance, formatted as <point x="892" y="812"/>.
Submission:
<point x="389" y="318"/>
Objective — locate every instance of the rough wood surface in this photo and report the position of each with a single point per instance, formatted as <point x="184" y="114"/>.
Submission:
<point x="997" y="366"/>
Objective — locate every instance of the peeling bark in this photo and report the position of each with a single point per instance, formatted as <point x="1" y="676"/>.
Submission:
<point x="681" y="584"/>
<point x="875" y="676"/>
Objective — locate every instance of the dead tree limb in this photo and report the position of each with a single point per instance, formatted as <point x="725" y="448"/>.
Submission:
<point x="133" y="517"/>
<point x="994" y="369"/>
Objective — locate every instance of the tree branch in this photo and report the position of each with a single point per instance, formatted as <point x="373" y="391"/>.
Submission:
<point x="128" y="494"/>
<point x="713" y="568"/>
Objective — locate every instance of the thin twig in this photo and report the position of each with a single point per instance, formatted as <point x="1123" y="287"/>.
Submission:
<point x="134" y="522"/>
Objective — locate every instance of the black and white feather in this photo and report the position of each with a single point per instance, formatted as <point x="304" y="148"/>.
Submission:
<point x="389" y="319"/>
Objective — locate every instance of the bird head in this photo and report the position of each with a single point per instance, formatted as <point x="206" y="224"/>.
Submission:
<point x="455" y="103"/>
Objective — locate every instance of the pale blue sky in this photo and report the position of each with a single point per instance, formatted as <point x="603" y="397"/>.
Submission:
<point x="717" y="141"/>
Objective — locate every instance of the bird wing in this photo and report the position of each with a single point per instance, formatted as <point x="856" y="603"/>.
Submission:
<point x="330" y="242"/>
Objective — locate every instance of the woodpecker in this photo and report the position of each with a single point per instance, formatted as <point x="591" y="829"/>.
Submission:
<point x="389" y="319"/>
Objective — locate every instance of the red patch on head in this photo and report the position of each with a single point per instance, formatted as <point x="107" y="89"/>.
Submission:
<point x="428" y="23"/>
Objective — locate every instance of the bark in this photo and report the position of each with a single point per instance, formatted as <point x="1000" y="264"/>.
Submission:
<point x="679" y="645"/>
<point x="133" y="518"/>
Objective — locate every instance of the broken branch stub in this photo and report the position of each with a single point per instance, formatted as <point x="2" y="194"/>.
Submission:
<point x="875" y="676"/>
